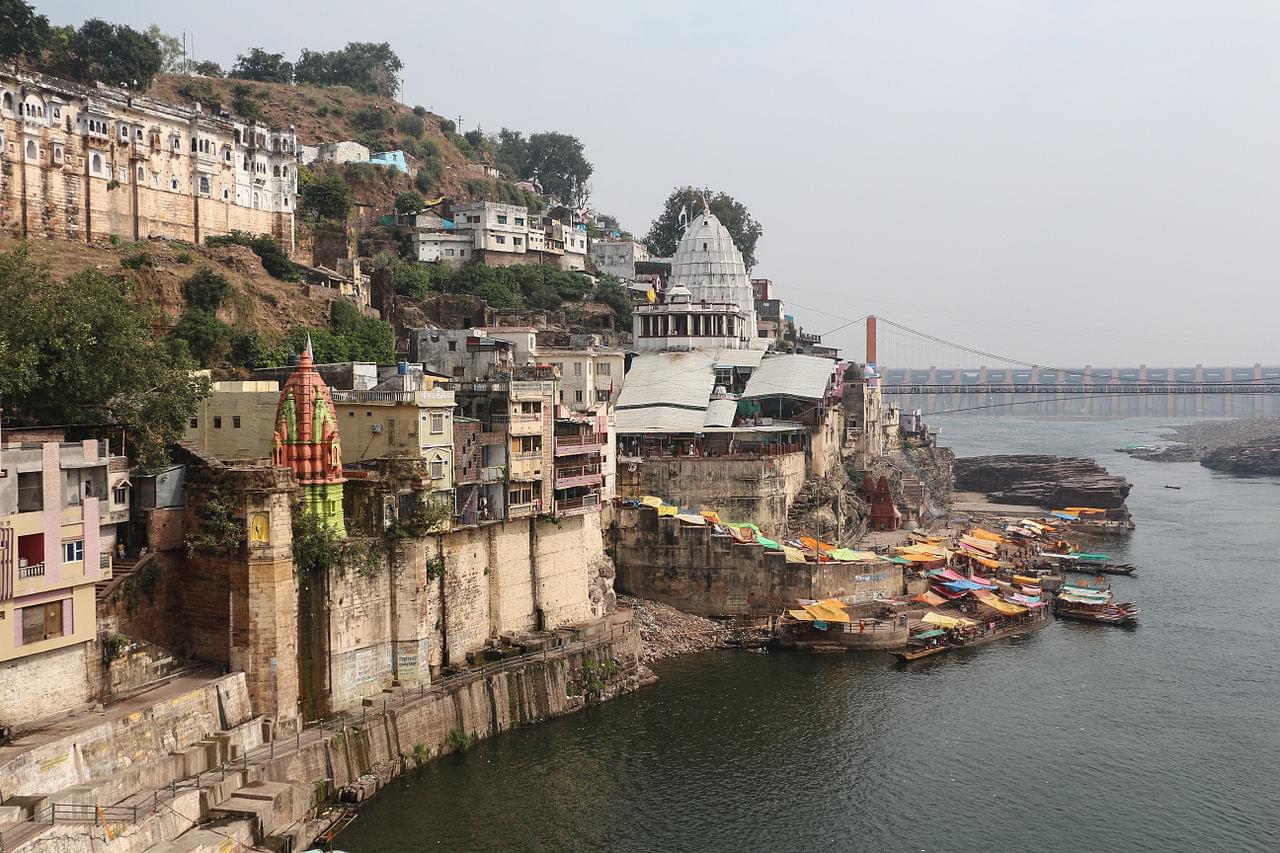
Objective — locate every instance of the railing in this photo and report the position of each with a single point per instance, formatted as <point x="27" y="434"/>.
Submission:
<point x="583" y="502"/>
<point x="316" y="731"/>
<point x="579" y="440"/>
<point x="33" y="570"/>
<point x="576" y="471"/>
<point x="523" y="510"/>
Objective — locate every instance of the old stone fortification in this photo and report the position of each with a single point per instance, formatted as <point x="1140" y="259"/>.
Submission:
<point x="275" y="792"/>
<point x="700" y="571"/>
<point x="395" y="615"/>
<point x="108" y="762"/>
<point x="759" y="490"/>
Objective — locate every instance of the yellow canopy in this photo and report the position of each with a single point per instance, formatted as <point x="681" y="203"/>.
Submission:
<point x="794" y="555"/>
<point x="990" y="564"/>
<point x="1085" y="510"/>
<point x="980" y="544"/>
<point x="941" y="621"/>
<point x="712" y="516"/>
<point x="1026" y="579"/>
<point x="834" y="602"/>
<point x="650" y="500"/>
<point x="667" y="510"/>
<point x="826" y="613"/>
<point x="1008" y="608"/>
<point x="932" y="551"/>
<point x="979" y="533"/>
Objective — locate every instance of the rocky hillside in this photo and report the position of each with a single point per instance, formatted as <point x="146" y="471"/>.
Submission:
<point x="1051" y="482"/>
<point x="1258" y="457"/>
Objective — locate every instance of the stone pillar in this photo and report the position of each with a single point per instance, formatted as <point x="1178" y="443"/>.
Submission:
<point x="264" y="594"/>
<point x="1199" y="398"/>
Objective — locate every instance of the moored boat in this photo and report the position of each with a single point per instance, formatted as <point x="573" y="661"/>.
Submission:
<point x="1092" y="605"/>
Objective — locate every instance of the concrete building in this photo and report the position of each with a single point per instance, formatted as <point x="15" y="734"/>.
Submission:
<point x="499" y="232"/>
<point x="572" y="241"/>
<point x="60" y="506"/>
<point x="590" y="374"/>
<point x="460" y="353"/>
<point x="618" y="258"/>
<point x="346" y="151"/>
<point x="452" y="248"/>
<point x="83" y="163"/>
<point x="394" y="160"/>
<point x="234" y="422"/>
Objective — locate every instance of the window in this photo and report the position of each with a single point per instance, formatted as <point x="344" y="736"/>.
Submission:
<point x="501" y="239"/>
<point x="173" y="184"/>
<point x="142" y="175"/>
<point x="120" y="495"/>
<point x="57" y="153"/>
<point x="502" y="219"/>
<point x="602" y="395"/>
<point x="437" y="470"/>
<point x="194" y="422"/>
<point x="519" y="220"/>
<point x="449" y="252"/>
<point x="235" y="422"/>
<point x="577" y="396"/>
<point x="41" y="622"/>
<point x="577" y="368"/>
<point x="603" y="368"/>
<point x="204" y="185"/>
<point x="437" y="423"/>
<point x="226" y="155"/>
<point x="226" y="194"/>
<point x="73" y="551"/>
<point x="522" y="495"/>
<point x="217" y="423"/>
<point x="34" y="154"/>
<point x="453" y="346"/>
<point x="518" y="241"/>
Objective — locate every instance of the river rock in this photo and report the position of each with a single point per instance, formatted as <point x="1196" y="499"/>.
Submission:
<point x="1051" y="482"/>
<point x="1258" y="457"/>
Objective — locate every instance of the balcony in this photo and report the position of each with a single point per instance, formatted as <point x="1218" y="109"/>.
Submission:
<point x="578" y="505"/>
<point x="573" y="445"/>
<point x="493" y="474"/>
<point x="569" y="476"/>
<point x="523" y="424"/>
<point x="32" y="570"/>
<point x="523" y="510"/>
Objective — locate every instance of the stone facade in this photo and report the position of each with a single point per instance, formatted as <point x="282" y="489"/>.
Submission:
<point x="759" y="490"/>
<point x="83" y="163"/>
<point x="699" y="571"/>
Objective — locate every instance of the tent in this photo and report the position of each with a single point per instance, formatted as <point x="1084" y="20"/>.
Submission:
<point x="933" y="618"/>
<point x="650" y="500"/>
<point x="1006" y="608"/>
<point x="930" y="598"/>
<point x="979" y="533"/>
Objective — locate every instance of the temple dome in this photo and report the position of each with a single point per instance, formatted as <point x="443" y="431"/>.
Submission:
<point x="709" y="264"/>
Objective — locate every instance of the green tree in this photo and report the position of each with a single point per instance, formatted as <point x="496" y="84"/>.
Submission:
<point x="612" y="292"/>
<point x="411" y="280"/>
<point x="274" y="259"/>
<point x="81" y="350"/>
<point x="409" y="202"/>
<point x="262" y="66"/>
<point x="205" y="289"/>
<point x="371" y="68"/>
<point x="207" y="338"/>
<point x="110" y="53"/>
<point x="411" y="125"/>
<point x="499" y="295"/>
<point x="172" y="54"/>
<point x="324" y="196"/>
<point x="665" y="232"/>
<point x="559" y="163"/>
<point x="23" y="33"/>
<point x="207" y="68"/>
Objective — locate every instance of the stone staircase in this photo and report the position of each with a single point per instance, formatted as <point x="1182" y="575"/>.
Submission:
<point x="121" y="570"/>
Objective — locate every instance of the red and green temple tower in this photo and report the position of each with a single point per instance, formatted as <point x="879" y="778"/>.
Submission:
<point x="306" y="440"/>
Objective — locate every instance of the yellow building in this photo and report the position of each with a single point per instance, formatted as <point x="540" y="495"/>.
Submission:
<point x="411" y="424"/>
<point x="236" y="420"/>
<point x="59" y="507"/>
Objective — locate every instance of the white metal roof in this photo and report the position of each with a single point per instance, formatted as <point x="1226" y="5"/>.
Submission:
<point x="720" y="413"/>
<point x="739" y="358"/>
<point x="802" y="376"/>
<point x="666" y="392"/>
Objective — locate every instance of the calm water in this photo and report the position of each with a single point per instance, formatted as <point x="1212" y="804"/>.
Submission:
<point x="1082" y="737"/>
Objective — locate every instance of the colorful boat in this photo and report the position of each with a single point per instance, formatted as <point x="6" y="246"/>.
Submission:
<point x="1093" y="606"/>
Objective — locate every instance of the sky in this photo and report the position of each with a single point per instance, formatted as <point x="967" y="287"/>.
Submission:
<point x="1058" y="183"/>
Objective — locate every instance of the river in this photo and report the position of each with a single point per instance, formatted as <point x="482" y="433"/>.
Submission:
<point x="1080" y="737"/>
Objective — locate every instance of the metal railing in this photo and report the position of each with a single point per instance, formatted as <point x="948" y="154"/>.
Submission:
<point x="34" y="570"/>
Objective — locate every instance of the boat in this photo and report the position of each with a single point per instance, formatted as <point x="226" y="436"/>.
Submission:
<point x="1173" y="487"/>
<point x="919" y="646"/>
<point x="920" y="652"/>
<point x="1104" y="569"/>
<point x="1093" y="606"/>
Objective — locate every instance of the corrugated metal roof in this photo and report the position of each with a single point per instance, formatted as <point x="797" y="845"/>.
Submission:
<point x="666" y="392"/>
<point x="739" y="358"/>
<point x="802" y="376"/>
<point x="720" y="413"/>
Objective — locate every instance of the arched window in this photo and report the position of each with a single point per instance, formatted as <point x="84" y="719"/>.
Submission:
<point x="255" y="201"/>
<point x="275" y="170"/>
<point x="173" y="184"/>
<point x="142" y="176"/>
<point x="96" y="163"/>
<point x="32" y="153"/>
<point x="226" y="194"/>
<point x="284" y="170"/>
<point x="8" y="102"/>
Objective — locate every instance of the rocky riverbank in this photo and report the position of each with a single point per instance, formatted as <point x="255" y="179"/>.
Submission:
<point x="666" y="632"/>
<point x="1246" y="446"/>
<point x="1042" y="481"/>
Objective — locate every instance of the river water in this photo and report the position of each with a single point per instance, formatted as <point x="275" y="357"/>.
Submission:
<point x="1081" y="737"/>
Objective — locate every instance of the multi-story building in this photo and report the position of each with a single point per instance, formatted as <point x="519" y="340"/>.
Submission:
<point x="499" y="232"/>
<point x="619" y="258"/>
<point x="571" y="241"/>
<point x="83" y="163"/>
<point x="60" y="505"/>
<point x="579" y="465"/>
<point x="452" y="248"/>
<point x="234" y="422"/>
<point x="459" y="353"/>
<point x="590" y="374"/>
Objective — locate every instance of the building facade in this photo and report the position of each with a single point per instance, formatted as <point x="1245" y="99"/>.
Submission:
<point x="619" y="258"/>
<point x="82" y="163"/>
<point x="60" y="506"/>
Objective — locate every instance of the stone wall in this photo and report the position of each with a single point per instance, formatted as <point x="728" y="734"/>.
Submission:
<point x="45" y="683"/>
<point x="759" y="490"/>
<point x="699" y="571"/>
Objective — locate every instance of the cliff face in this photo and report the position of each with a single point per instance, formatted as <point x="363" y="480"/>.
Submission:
<point x="1044" y="481"/>
<point x="1258" y="457"/>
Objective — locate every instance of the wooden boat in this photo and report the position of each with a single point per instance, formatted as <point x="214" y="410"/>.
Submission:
<point x="1103" y="569"/>
<point x="917" y="652"/>
<point x="1108" y="613"/>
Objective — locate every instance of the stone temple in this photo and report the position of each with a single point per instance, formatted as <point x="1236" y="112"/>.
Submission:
<point x="708" y="302"/>
<point x="306" y="440"/>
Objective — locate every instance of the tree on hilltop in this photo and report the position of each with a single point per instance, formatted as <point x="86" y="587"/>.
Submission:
<point x="262" y="67"/>
<point x="23" y="33"/>
<point x="114" y="54"/>
<point x="373" y="69"/>
<point x="665" y="232"/>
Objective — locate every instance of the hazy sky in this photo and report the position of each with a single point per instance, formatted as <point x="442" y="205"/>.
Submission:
<point x="1058" y="182"/>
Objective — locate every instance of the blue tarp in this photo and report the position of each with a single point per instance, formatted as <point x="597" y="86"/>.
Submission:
<point x="962" y="585"/>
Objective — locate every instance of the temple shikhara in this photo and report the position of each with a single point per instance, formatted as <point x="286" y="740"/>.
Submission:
<point x="306" y="440"/>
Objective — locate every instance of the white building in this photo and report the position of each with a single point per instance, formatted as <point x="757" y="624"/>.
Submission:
<point x="346" y="151"/>
<point x="708" y="303"/>
<point x="619" y="258"/>
<point x="447" y="247"/>
<point x="499" y="231"/>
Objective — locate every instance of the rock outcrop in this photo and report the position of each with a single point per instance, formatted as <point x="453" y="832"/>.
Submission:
<point x="1258" y="457"/>
<point x="1044" y="481"/>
